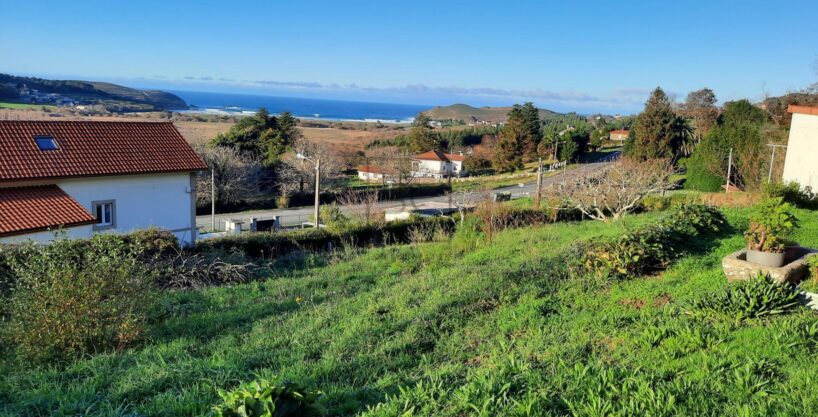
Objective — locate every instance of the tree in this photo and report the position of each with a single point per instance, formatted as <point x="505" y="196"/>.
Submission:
<point x="261" y="135"/>
<point x="700" y="108"/>
<point x="421" y="136"/>
<point x="293" y="173"/>
<point x="615" y="189"/>
<point x="657" y="131"/>
<point x="237" y="176"/>
<point x="508" y="151"/>
<point x="746" y="129"/>
<point x="532" y="131"/>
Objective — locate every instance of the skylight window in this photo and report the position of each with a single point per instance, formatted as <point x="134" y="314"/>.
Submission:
<point x="46" y="143"/>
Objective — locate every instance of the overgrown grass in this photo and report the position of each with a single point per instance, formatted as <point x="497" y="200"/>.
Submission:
<point x="462" y="327"/>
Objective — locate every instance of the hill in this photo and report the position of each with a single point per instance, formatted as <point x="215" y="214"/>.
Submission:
<point x="65" y="92"/>
<point x="467" y="114"/>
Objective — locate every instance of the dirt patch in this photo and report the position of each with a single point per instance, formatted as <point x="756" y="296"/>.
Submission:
<point x="634" y="303"/>
<point x="662" y="299"/>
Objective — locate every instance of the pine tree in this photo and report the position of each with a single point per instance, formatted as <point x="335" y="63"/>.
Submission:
<point x="508" y="151"/>
<point x="421" y="136"/>
<point x="657" y="131"/>
<point x="533" y="130"/>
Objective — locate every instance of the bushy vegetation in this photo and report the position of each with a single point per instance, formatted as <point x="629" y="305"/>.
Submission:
<point x="264" y="398"/>
<point x="771" y="223"/>
<point x="793" y="193"/>
<point x="652" y="247"/>
<point x="273" y="245"/>
<point x="758" y="297"/>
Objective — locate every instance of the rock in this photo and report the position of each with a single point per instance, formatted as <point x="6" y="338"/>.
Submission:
<point x="736" y="267"/>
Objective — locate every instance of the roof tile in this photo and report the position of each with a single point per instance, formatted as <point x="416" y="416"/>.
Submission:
<point x="29" y="209"/>
<point x="89" y="148"/>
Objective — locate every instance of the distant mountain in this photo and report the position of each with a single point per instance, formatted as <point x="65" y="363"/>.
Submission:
<point x="65" y="92"/>
<point x="468" y="114"/>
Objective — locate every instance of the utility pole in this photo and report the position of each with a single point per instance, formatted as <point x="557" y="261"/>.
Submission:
<point x="539" y="186"/>
<point x="212" y="200"/>
<point x="317" y="190"/>
<point x="729" y="171"/>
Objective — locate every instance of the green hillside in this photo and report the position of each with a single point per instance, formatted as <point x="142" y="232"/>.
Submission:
<point x="460" y="327"/>
<point x="112" y="96"/>
<point x="467" y="114"/>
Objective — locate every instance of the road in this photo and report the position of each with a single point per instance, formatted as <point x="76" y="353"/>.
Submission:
<point x="297" y="215"/>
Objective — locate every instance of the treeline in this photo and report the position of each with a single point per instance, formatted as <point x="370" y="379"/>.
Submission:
<point x="700" y="136"/>
<point x="446" y="140"/>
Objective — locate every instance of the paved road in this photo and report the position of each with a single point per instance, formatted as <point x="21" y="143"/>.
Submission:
<point x="296" y="215"/>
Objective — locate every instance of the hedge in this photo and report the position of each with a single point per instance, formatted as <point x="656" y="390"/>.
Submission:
<point x="270" y="244"/>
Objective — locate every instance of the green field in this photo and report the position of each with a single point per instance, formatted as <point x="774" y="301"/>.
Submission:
<point x="24" y="106"/>
<point x="455" y="328"/>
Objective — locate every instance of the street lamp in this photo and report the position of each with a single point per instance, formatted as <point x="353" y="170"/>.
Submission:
<point x="317" y="162"/>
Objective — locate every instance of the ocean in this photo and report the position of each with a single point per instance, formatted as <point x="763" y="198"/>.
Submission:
<point x="224" y="103"/>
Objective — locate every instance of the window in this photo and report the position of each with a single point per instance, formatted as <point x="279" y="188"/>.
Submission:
<point x="46" y="143"/>
<point x="106" y="214"/>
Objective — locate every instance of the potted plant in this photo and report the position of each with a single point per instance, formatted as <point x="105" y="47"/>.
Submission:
<point x="766" y="237"/>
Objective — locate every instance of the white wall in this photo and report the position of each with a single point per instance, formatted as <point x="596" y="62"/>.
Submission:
<point x="424" y="168"/>
<point x="141" y="201"/>
<point x="47" y="236"/>
<point x="801" y="164"/>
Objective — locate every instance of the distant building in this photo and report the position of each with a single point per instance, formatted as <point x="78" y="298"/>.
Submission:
<point x="437" y="164"/>
<point x="370" y="173"/>
<point x="620" y="134"/>
<point x="801" y="164"/>
<point x="80" y="178"/>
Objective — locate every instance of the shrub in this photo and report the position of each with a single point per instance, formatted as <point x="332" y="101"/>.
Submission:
<point x="770" y="225"/>
<point x="792" y="192"/>
<point x="652" y="247"/>
<point x="754" y="298"/>
<point x="700" y="176"/>
<point x="75" y="297"/>
<point x="263" y="398"/>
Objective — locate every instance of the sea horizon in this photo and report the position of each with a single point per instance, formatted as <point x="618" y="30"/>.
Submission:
<point x="300" y="107"/>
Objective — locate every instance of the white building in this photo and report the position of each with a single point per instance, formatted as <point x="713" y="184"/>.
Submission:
<point x="801" y="164"/>
<point x="370" y="173"/>
<point x="78" y="178"/>
<point x="438" y="165"/>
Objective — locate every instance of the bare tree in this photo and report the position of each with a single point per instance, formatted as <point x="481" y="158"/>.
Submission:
<point x="615" y="189"/>
<point x="237" y="176"/>
<point x="294" y="174"/>
<point x="362" y="205"/>
<point x="395" y="162"/>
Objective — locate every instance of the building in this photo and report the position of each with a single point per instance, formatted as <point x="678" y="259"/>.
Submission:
<point x="437" y="164"/>
<point x="619" y="134"/>
<point x="801" y="164"/>
<point x="370" y="173"/>
<point x="78" y="178"/>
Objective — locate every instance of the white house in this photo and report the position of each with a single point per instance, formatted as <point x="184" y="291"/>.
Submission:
<point x="437" y="164"/>
<point x="77" y="178"/>
<point x="370" y="173"/>
<point x="801" y="164"/>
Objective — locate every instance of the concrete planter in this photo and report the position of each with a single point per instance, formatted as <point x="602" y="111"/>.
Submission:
<point x="738" y="267"/>
<point x="770" y="259"/>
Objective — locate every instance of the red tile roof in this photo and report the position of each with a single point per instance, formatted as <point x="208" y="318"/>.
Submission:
<point x="620" y="132"/>
<point x="432" y="156"/>
<point x="811" y="110"/>
<point x="93" y="149"/>
<point x="370" y="168"/>
<point x="455" y="157"/>
<point x="30" y="209"/>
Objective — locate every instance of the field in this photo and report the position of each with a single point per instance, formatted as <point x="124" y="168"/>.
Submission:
<point x="24" y="106"/>
<point x="454" y="328"/>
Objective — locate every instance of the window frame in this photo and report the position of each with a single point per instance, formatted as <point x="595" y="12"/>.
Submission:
<point x="95" y="205"/>
<point x="51" y="139"/>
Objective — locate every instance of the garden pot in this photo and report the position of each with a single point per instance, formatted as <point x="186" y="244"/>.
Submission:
<point x="770" y="259"/>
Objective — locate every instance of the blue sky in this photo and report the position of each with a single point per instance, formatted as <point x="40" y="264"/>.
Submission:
<point x="589" y="56"/>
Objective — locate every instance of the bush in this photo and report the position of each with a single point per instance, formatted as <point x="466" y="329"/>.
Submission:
<point x="271" y="245"/>
<point x="265" y="399"/>
<point x="75" y="297"/>
<point x="754" y="298"/>
<point x="792" y="192"/>
<point x="699" y="177"/>
<point x="652" y="247"/>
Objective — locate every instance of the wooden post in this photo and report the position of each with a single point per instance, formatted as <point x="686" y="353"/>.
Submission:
<point x="539" y="186"/>
<point x="212" y="200"/>
<point x="317" y="191"/>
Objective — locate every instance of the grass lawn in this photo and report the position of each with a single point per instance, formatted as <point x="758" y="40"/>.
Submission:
<point x="455" y="328"/>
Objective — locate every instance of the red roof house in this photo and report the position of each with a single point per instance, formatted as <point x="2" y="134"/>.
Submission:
<point x="87" y="177"/>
